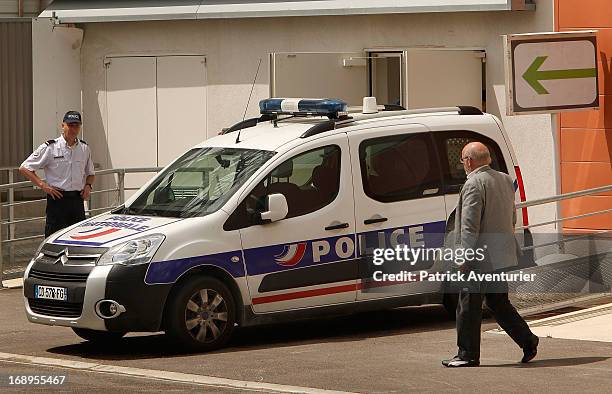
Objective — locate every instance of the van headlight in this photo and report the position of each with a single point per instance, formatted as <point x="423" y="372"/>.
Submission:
<point x="133" y="252"/>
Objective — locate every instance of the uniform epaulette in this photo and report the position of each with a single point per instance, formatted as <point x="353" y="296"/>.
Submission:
<point x="83" y="142"/>
<point x="49" y="142"/>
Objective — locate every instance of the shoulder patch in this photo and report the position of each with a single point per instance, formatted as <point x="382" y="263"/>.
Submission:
<point x="83" y="142"/>
<point x="49" y="142"/>
<point x="36" y="154"/>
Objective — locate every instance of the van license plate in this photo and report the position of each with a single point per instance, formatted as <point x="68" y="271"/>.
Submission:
<point x="51" y="293"/>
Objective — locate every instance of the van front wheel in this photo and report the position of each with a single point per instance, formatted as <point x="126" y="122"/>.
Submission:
<point x="201" y="314"/>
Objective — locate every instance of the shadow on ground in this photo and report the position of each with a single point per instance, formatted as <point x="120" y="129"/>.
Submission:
<point x="553" y="362"/>
<point x="352" y="328"/>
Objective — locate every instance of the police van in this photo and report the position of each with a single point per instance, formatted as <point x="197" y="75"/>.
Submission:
<point x="268" y="221"/>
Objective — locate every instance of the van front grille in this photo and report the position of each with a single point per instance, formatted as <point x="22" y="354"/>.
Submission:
<point x="55" y="308"/>
<point x="58" y="276"/>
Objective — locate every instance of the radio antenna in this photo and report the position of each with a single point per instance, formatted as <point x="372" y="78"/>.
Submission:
<point x="249" y="100"/>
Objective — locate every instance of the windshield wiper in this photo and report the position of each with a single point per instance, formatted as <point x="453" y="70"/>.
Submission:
<point x="161" y="213"/>
<point x="152" y="212"/>
<point x="141" y="212"/>
<point x="129" y="211"/>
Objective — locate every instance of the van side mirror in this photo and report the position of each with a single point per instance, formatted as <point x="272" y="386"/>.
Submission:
<point x="277" y="208"/>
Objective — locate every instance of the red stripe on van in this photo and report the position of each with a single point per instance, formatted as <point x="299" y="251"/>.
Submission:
<point x="305" y="294"/>
<point x="88" y="236"/>
<point x="324" y="291"/>
<point x="521" y="188"/>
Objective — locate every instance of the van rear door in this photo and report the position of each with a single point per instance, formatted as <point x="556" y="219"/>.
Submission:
<point x="398" y="201"/>
<point x="449" y="144"/>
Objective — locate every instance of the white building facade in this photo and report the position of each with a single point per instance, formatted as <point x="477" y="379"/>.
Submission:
<point x="152" y="81"/>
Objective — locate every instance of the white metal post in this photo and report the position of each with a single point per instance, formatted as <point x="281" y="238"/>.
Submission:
<point x="1" y="253"/>
<point x="121" y="186"/>
<point x="557" y="170"/>
<point x="11" y="208"/>
<point x="10" y="234"/>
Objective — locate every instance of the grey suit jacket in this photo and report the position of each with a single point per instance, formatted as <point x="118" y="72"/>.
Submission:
<point x="484" y="218"/>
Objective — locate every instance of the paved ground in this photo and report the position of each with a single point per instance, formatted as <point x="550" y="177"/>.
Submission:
<point x="591" y="324"/>
<point x="389" y="351"/>
<point x="83" y="381"/>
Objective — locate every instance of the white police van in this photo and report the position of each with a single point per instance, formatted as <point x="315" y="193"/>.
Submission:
<point x="266" y="222"/>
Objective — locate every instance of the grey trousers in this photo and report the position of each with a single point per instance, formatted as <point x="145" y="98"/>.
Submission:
<point x="469" y="317"/>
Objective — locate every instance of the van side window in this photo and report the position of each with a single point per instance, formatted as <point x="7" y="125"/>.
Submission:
<point x="309" y="181"/>
<point x="400" y="167"/>
<point x="450" y="144"/>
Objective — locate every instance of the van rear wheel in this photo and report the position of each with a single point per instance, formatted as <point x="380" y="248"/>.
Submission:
<point x="201" y="314"/>
<point x="98" y="336"/>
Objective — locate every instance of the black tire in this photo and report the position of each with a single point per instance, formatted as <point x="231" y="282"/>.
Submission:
<point x="450" y="301"/>
<point x="201" y="314"/>
<point x="95" y="336"/>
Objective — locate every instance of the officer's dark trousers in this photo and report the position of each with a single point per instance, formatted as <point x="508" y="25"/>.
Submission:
<point x="469" y="317"/>
<point x="64" y="212"/>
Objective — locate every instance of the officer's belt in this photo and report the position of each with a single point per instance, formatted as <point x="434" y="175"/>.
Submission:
<point x="74" y="193"/>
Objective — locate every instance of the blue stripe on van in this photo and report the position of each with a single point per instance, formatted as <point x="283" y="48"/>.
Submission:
<point x="281" y="257"/>
<point x="267" y="259"/>
<point x="79" y="243"/>
<point x="170" y="270"/>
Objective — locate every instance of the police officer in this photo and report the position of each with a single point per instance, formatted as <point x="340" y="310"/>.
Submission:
<point x="69" y="170"/>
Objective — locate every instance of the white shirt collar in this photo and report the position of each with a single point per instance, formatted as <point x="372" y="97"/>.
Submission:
<point x="475" y="171"/>
<point x="62" y="139"/>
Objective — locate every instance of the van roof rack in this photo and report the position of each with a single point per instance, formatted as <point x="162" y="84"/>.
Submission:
<point x="380" y="107"/>
<point x="469" y="110"/>
<point x="333" y="124"/>
<point x="251" y="122"/>
<point x="328" y="125"/>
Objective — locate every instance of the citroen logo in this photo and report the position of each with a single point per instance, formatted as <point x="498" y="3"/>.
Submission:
<point x="62" y="257"/>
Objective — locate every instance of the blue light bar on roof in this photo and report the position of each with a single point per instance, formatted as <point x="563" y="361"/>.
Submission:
<point x="332" y="108"/>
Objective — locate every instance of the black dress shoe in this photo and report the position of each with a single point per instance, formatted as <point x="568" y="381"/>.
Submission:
<point x="458" y="362"/>
<point x="530" y="351"/>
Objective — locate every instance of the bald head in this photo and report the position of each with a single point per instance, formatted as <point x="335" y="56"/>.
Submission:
<point x="478" y="155"/>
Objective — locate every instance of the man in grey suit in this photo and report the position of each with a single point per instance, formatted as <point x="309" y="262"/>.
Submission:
<point x="484" y="218"/>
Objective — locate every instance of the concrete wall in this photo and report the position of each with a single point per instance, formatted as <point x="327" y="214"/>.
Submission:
<point x="10" y="8"/>
<point x="299" y="73"/>
<point x="234" y="47"/>
<point x="56" y="52"/>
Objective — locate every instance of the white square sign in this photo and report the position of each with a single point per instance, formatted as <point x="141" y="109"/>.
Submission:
<point x="551" y="72"/>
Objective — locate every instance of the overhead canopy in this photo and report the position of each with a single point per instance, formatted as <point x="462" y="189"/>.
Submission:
<point x="79" y="11"/>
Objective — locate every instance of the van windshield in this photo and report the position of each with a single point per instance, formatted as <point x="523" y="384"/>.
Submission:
<point x="198" y="183"/>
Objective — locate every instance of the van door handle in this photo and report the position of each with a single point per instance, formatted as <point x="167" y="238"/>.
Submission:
<point x="337" y="226"/>
<point x="375" y="220"/>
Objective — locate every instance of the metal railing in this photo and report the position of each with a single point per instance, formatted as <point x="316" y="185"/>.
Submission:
<point x="556" y="199"/>
<point x="11" y="204"/>
<point x="573" y="273"/>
